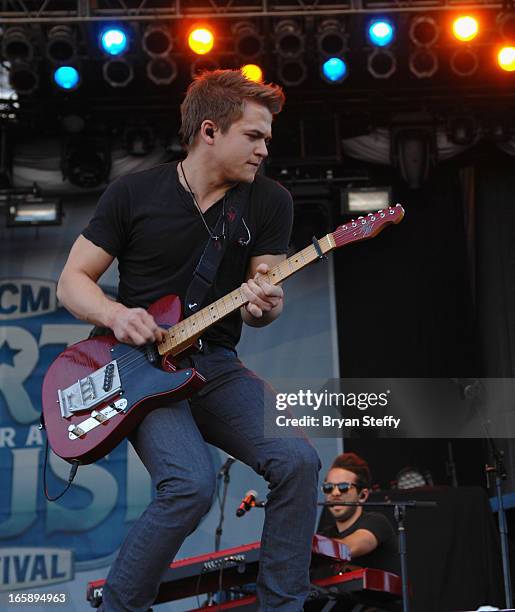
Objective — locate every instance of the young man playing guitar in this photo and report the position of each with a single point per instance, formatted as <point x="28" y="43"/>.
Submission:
<point x="157" y="223"/>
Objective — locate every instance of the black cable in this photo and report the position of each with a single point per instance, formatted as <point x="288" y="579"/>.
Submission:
<point x="73" y="471"/>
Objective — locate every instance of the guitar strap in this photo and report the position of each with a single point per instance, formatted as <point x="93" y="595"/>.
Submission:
<point x="207" y="267"/>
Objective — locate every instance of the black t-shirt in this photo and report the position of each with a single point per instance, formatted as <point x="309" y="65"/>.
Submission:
<point x="151" y="225"/>
<point x="386" y="555"/>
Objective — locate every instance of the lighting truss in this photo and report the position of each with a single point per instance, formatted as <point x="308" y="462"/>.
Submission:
<point x="63" y="11"/>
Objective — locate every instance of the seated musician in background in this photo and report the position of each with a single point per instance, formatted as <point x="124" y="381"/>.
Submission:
<point x="369" y="535"/>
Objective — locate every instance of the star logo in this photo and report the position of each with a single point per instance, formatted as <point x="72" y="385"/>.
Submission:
<point x="7" y="354"/>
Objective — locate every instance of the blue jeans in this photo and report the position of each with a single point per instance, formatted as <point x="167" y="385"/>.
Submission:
<point x="228" y="412"/>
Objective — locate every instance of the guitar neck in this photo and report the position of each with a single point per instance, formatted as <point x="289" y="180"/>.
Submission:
<point x="184" y="333"/>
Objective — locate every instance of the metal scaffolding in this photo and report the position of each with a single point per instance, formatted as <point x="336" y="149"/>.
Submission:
<point x="77" y="11"/>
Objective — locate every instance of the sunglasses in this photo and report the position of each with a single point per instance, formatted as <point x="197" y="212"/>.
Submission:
<point x="343" y="487"/>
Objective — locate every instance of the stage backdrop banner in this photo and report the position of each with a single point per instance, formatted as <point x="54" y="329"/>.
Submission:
<point x="58" y="547"/>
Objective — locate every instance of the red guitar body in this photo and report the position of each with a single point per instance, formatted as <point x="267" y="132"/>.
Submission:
<point x="73" y="390"/>
<point x="98" y="390"/>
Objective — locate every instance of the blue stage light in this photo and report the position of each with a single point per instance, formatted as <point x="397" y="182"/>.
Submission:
<point x="114" y="41"/>
<point x="334" y="70"/>
<point x="67" y="77"/>
<point x="380" y="32"/>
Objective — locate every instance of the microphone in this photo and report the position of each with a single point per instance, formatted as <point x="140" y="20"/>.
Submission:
<point x="247" y="502"/>
<point x="226" y="466"/>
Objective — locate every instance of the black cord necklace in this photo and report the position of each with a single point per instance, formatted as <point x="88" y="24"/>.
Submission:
<point x="211" y="233"/>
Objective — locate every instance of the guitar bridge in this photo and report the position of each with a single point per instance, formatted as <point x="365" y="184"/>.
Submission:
<point x="90" y="391"/>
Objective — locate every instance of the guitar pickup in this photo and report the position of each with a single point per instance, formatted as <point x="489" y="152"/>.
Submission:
<point x="96" y="418"/>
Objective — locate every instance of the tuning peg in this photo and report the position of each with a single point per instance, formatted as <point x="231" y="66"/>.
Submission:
<point x="360" y="217"/>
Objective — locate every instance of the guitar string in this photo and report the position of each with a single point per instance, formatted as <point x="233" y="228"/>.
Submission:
<point x="127" y="360"/>
<point x="130" y="359"/>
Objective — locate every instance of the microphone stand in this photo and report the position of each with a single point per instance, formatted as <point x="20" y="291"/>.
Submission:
<point x="223" y="472"/>
<point x="500" y="474"/>
<point x="399" y="512"/>
<point x="450" y="466"/>
<point x="473" y="390"/>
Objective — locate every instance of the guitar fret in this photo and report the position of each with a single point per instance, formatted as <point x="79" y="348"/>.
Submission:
<point x="177" y="337"/>
<point x="194" y="321"/>
<point x="204" y="320"/>
<point x="224" y="304"/>
<point x="196" y="324"/>
<point x="212" y="315"/>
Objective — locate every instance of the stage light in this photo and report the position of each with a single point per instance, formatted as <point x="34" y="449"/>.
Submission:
<point x="465" y="28"/>
<point x="331" y="38"/>
<point x="424" y="31"/>
<point x="413" y="152"/>
<point x="139" y="140"/>
<point x="507" y="26"/>
<point x="201" y="64"/>
<point x="23" y="78"/>
<point x="499" y="130"/>
<point x="411" y="478"/>
<point x="462" y="130"/>
<point x="86" y="161"/>
<point x="31" y="209"/>
<point x="157" y="41"/>
<point x="292" y="72"/>
<point x="162" y="70"/>
<point x="334" y="70"/>
<point x="380" y="32"/>
<point x="7" y="92"/>
<point x="17" y="45"/>
<point x="252" y="72"/>
<point x="61" y="47"/>
<point x="117" y="72"/>
<point x="423" y="63"/>
<point x="114" y="41"/>
<point x="67" y="77"/>
<point x="506" y="59"/>
<point x="381" y="63"/>
<point x="365" y="199"/>
<point x="201" y="40"/>
<point x="248" y="43"/>
<point x="464" y="62"/>
<point x="289" y="39"/>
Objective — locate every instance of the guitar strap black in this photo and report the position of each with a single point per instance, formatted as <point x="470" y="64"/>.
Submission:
<point x="207" y="267"/>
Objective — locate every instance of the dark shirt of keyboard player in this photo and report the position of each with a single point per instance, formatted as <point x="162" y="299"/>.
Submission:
<point x="369" y="535"/>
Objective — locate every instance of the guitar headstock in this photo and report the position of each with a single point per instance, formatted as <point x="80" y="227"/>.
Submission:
<point x="366" y="227"/>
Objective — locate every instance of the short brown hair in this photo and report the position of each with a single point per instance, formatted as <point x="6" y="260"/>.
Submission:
<point x="219" y="95"/>
<point x="355" y="464"/>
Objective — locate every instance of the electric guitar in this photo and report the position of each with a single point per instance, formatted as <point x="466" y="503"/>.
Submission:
<point x="98" y="390"/>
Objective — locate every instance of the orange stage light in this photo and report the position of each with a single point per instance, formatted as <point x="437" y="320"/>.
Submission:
<point x="201" y="40"/>
<point x="252" y="72"/>
<point x="465" y="28"/>
<point x="506" y="59"/>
